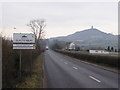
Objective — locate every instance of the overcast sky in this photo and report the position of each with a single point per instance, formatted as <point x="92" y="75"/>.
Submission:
<point x="62" y="18"/>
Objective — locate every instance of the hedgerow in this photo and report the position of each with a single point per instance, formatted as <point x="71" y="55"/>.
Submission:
<point x="111" y="61"/>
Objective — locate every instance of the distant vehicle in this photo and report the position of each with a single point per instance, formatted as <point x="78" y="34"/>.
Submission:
<point x="46" y="48"/>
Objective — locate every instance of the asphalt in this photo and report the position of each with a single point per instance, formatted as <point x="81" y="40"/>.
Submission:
<point x="65" y="72"/>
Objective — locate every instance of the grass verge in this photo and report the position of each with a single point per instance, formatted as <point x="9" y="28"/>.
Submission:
<point x="36" y="78"/>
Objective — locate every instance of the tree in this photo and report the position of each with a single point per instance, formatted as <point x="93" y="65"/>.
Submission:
<point x="58" y="45"/>
<point x="37" y="27"/>
<point x="119" y="50"/>
<point x="67" y="45"/>
<point x="112" y="49"/>
<point x="108" y="48"/>
<point x="77" y="48"/>
<point x="115" y="50"/>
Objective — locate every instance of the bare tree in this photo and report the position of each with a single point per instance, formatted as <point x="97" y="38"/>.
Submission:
<point x="37" y="27"/>
<point x="41" y="25"/>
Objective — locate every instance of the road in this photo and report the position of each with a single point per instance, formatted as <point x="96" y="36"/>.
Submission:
<point x="65" y="72"/>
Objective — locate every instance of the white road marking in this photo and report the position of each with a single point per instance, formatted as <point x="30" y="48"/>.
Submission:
<point x="75" y="68"/>
<point x="95" y="79"/>
<point x="65" y="62"/>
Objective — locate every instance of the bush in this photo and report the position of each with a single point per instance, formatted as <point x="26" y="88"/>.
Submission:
<point x="10" y="63"/>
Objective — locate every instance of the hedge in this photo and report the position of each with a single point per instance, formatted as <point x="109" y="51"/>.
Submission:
<point x="112" y="61"/>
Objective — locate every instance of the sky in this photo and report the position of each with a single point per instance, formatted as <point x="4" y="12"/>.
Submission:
<point x="62" y="18"/>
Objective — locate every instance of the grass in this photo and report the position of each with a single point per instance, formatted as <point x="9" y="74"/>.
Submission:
<point x="36" y="78"/>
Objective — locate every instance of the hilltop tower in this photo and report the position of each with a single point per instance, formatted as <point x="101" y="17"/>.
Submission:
<point x="91" y="27"/>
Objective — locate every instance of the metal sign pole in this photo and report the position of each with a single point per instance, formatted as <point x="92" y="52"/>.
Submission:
<point x="23" y="41"/>
<point x="31" y="64"/>
<point x="20" y="64"/>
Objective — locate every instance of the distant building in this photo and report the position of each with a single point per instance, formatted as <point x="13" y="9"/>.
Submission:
<point x="99" y="51"/>
<point x="72" y="46"/>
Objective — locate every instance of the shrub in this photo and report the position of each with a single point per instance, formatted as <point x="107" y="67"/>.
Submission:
<point x="10" y="63"/>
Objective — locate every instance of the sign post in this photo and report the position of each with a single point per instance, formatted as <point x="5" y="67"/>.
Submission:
<point x="20" y="64"/>
<point x="23" y="41"/>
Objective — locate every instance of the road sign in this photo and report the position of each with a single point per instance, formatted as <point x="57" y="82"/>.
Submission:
<point x="23" y="41"/>
<point x="23" y="46"/>
<point x="23" y="38"/>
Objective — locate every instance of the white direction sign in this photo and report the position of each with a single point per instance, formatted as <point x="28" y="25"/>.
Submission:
<point x="23" y="46"/>
<point x="23" y="38"/>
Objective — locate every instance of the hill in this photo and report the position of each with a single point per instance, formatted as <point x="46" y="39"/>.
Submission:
<point x="91" y="37"/>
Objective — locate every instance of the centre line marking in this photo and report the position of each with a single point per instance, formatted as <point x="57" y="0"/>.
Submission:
<point x="95" y="79"/>
<point x="75" y="68"/>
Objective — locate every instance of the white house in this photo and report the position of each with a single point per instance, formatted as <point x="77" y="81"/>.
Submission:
<point x="72" y="46"/>
<point x="99" y="51"/>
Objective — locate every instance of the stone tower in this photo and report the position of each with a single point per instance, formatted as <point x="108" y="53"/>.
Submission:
<point x="92" y="27"/>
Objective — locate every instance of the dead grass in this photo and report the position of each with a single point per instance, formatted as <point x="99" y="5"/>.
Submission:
<point x="36" y="78"/>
